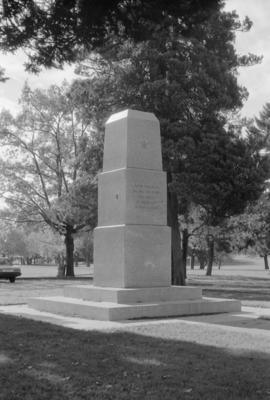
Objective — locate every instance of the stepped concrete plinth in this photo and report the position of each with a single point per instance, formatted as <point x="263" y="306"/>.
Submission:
<point x="112" y="311"/>
<point x="133" y="295"/>
<point x="132" y="242"/>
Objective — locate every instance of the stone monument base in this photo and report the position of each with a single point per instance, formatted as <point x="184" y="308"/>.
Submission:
<point x="114" y="304"/>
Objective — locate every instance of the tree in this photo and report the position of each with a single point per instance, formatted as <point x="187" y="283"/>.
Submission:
<point x="234" y="177"/>
<point x="26" y="243"/>
<point x="57" y="31"/>
<point x="3" y="78"/>
<point x="12" y="242"/>
<point x="189" y="83"/>
<point x="228" y="173"/>
<point x="263" y="122"/>
<point x="85" y="246"/>
<point x="41" y="175"/>
<point x="250" y="231"/>
<point x="43" y="242"/>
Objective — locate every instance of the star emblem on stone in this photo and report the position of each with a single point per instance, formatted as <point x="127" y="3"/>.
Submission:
<point x="145" y="143"/>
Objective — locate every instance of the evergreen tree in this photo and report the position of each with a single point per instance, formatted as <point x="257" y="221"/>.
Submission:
<point x="3" y="78"/>
<point x="57" y="31"/>
<point x="263" y="125"/>
<point x="250" y="231"/>
<point x="189" y="83"/>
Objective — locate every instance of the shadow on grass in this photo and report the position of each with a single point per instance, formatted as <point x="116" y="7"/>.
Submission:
<point x="56" y="278"/>
<point x="41" y="361"/>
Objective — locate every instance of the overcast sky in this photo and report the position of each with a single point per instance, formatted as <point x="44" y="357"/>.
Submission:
<point x="256" y="79"/>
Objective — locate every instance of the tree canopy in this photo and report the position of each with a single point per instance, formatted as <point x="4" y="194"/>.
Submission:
<point x="263" y="124"/>
<point x="57" y="31"/>
<point x="3" y="78"/>
<point x="250" y="231"/>
<point x="41" y="175"/>
<point x="190" y="84"/>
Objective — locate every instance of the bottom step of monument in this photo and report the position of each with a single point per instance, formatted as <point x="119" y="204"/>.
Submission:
<point x="115" y="311"/>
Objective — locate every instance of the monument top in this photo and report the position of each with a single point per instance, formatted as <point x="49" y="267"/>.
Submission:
<point x="132" y="140"/>
<point x="134" y="114"/>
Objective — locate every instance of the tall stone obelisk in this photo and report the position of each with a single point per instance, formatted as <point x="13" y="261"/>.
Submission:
<point x="132" y="243"/>
<point x="132" y="246"/>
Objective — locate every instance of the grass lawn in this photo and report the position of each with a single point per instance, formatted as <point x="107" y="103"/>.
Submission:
<point x="40" y="361"/>
<point x="242" y="278"/>
<point x="251" y="291"/>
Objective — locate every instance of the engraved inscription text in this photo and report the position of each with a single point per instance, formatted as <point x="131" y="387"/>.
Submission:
<point x="147" y="196"/>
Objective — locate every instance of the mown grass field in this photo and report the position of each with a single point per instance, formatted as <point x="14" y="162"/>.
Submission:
<point x="242" y="278"/>
<point x="39" y="361"/>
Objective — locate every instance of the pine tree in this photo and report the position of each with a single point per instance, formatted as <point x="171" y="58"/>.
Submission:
<point x="189" y="83"/>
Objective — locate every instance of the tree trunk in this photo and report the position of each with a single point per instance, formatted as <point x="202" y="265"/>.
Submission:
<point x="88" y="260"/>
<point x="266" y="266"/>
<point x="210" y="256"/>
<point x="178" y="274"/>
<point x="185" y="250"/>
<point x="201" y="258"/>
<point x="192" y="261"/>
<point x="69" y="243"/>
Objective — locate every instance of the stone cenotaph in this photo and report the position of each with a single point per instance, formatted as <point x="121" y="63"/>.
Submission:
<point x="132" y="245"/>
<point x="132" y="242"/>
